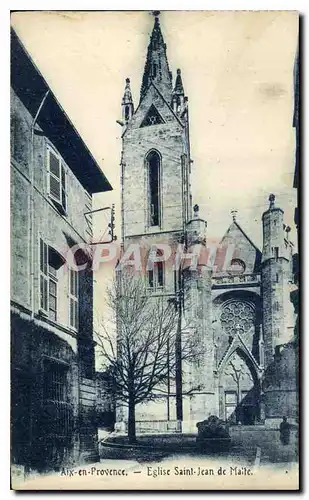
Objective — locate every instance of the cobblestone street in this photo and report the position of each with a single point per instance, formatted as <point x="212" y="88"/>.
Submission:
<point x="246" y="441"/>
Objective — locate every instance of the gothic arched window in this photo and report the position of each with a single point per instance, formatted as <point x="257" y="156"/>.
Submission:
<point x="156" y="274"/>
<point x="237" y="317"/>
<point x="154" y="167"/>
<point x="127" y="113"/>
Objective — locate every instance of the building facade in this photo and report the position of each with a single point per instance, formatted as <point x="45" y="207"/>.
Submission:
<point x="237" y="300"/>
<point x="53" y="178"/>
<point x="105" y="401"/>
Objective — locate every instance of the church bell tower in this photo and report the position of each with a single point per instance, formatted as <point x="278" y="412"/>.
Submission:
<point x="156" y="202"/>
<point x="155" y="151"/>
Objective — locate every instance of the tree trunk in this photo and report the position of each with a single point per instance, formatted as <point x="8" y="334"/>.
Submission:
<point x="131" y="422"/>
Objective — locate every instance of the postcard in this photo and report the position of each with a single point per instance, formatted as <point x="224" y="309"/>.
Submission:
<point x="154" y="250"/>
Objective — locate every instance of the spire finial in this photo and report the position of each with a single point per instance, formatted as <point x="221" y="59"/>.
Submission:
<point x="178" y="89"/>
<point x="156" y="14"/>
<point x="234" y="214"/>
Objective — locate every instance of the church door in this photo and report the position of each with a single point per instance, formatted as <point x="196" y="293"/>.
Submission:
<point x="239" y="391"/>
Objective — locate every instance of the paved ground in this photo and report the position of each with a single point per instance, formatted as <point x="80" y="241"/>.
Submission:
<point x="272" y="451"/>
<point x="272" y="466"/>
<point x="251" y="444"/>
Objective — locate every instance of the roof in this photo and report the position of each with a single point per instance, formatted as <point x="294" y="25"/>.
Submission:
<point x="243" y="248"/>
<point x="30" y="86"/>
<point x="156" y="65"/>
<point x="165" y="102"/>
<point x="235" y="224"/>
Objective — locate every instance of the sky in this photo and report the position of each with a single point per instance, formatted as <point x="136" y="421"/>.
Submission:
<point x="237" y="71"/>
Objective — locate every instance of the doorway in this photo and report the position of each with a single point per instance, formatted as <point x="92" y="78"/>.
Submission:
<point x="239" y="392"/>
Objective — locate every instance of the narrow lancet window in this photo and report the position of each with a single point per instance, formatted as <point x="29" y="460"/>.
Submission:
<point x="156" y="274"/>
<point x="153" y="161"/>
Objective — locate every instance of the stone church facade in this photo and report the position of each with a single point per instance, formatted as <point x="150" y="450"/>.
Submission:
<point x="241" y="311"/>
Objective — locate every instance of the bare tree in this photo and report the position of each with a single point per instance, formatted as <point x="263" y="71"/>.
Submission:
<point x="141" y="353"/>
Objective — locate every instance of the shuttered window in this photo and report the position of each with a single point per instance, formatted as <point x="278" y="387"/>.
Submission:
<point x="48" y="282"/>
<point x="57" y="179"/>
<point x="88" y="215"/>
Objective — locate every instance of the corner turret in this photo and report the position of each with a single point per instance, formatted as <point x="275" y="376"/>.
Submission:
<point x="273" y="231"/>
<point x="276" y="276"/>
<point x="196" y="229"/>
<point x="127" y="103"/>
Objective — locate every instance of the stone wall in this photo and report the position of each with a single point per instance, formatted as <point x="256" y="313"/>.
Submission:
<point x="44" y="433"/>
<point x="277" y="309"/>
<point x="35" y="337"/>
<point x="280" y="385"/>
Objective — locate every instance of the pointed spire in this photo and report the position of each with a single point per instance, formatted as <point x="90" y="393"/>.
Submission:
<point x="179" y="101"/>
<point x="127" y="96"/>
<point x="156" y="66"/>
<point x="178" y="89"/>
<point x="127" y="102"/>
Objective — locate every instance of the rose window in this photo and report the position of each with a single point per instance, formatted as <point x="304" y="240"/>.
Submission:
<point x="237" y="317"/>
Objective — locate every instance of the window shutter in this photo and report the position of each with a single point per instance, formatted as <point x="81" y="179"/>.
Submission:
<point x="73" y="302"/>
<point x="43" y="275"/>
<point x="57" y="180"/>
<point x="52" y="297"/>
<point x="63" y="188"/>
<point x="54" y="176"/>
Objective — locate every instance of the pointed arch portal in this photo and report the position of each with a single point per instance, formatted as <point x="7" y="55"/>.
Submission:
<point x="239" y="393"/>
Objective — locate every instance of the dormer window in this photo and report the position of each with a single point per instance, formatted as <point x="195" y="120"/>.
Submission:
<point x="57" y="180"/>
